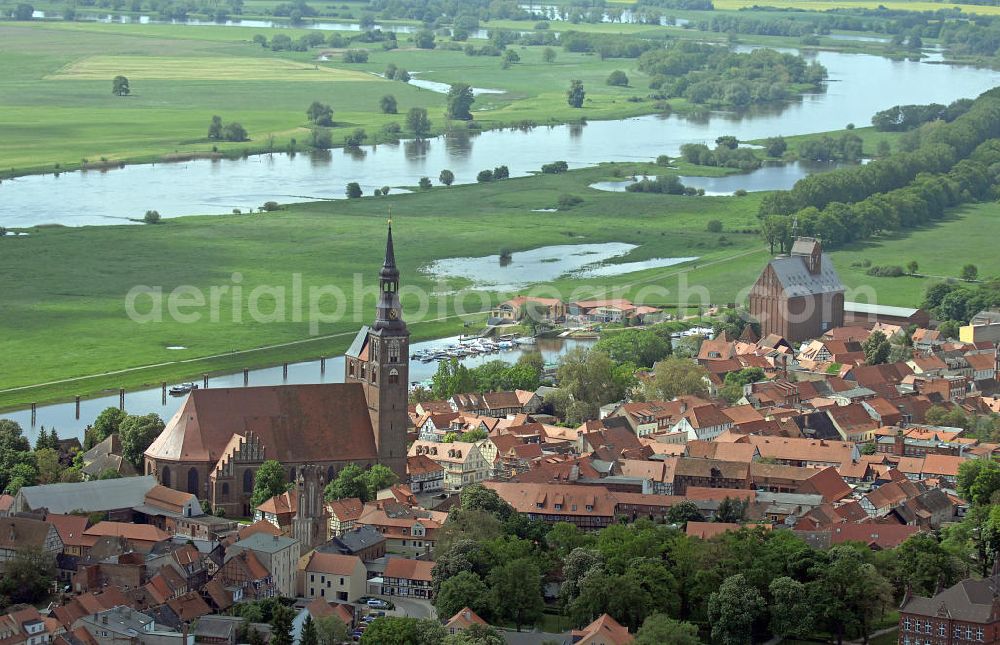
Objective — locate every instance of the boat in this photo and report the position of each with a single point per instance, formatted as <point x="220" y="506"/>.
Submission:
<point x="182" y="389"/>
<point x="525" y="340"/>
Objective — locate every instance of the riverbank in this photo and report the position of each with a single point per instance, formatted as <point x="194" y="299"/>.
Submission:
<point x="75" y="122"/>
<point x="65" y="289"/>
<point x="68" y="316"/>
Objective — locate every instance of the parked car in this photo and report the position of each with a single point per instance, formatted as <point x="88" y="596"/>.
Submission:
<point x="378" y="603"/>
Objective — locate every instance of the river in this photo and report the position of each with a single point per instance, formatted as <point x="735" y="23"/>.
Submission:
<point x="62" y="416"/>
<point x="859" y="86"/>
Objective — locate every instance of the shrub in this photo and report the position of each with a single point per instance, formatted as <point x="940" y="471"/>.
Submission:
<point x="484" y="176"/>
<point x="446" y="177"/>
<point x="356" y="56"/>
<point x="714" y="226"/>
<point x="555" y="167"/>
<point x="356" y="138"/>
<point x="320" y="138"/>
<point x="887" y="271"/>
<point x="151" y="217"/>
<point x="353" y="190"/>
<point x="618" y="78"/>
<point x="270" y="206"/>
<point x="425" y="183"/>
<point x="567" y="201"/>
<point x="663" y="160"/>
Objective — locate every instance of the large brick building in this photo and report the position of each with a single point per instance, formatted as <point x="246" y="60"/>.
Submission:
<point x="968" y="612"/>
<point x="799" y="296"/>
<point x="214" y="444"/>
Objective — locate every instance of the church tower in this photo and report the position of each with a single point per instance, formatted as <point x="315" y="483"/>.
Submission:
<point x="379" y="359"/>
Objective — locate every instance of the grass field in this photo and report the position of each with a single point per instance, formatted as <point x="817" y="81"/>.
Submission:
<point x="211" y="68"/>
<point x="56" y="105"/>
<point x="64" y="312"/>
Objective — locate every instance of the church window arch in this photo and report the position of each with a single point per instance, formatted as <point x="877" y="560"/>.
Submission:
<point x="247" y="481"/>
<point x="394" y="347"/>
<point x="393" y="376"/>
<point x="192" y="480"/>
<point x="165" y="476"/>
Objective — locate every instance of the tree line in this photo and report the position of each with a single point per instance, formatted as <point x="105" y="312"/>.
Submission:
<point x="741" y="586"/>
<point x="952" y="165"/>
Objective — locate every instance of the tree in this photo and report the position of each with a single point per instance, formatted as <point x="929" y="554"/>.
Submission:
<point x="48" y="464"/>
<point x="281" y="625"/>
<point x="424" y="39"/>
<point x="476" y="634"/>
<point x="849" y="593"/>
<point x="234" y="132"/>
<point x="617" y="78"/>
<point x="452" y="378"/>
<point x="970" y="272"/>
<point x="731" y="510"/>
<point x="387" y="104"/>
<point x="417" y="121"/>
<point x="107" y="423"/>
<point x="590" y="379"/>
<point x="683" y="513"/>
<point x="268" y="481"/>
<point x="501" y="172"/>
<point x="549" y="55"/>
<point x="517" y="592"/>
<point x="484" y="176"/>
<point x="459" y="102"/>
<point x="476" y="497"/>
<point x="119" y="86"/>
<point x="575" y="94"/>
<point x="215" y="128"/>
<point x="320" y="114"/>
<point x="640" y="347"/>
<point x="137" y="433"/>
<point x="393" y="630"/>
<point x="446" y="177"/>
<point x="354" y="481"/>
<point x="330" y="630"/>
<point x="714" y="226"/>
<point x="790" y="609"/>
<point x="733" y="610"/>
<point x="309" y="634"/>
<point x="876" y="348"/>
<point x="28" y="576"/>
<point x="978" y="480"/>
<point x="675" y="376"/>
<point x="660" y="629"/>
<point x="356" y="138"/>
<point x="424" y="183"/>
<point x="912" y="267"/>
<point x="925" y="565"/>
<point x="466" y="589"/>
<point x="151" y="217"/>
<point x="775" y="146"/>
<point x="353" y="190"/>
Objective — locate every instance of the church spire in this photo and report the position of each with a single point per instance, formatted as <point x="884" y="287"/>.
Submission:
<point x="389" y="265"/>
<point x="389" y="314"/>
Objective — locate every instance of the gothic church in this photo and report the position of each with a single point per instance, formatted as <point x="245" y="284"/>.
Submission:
<point x="214" y="444"/>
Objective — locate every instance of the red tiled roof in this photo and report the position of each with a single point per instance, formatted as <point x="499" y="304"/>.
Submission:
<point x="332" y="563"/>
<point x="407" y="569"/>
<point x="603" y="631"/>
<point x="295" y="423"/>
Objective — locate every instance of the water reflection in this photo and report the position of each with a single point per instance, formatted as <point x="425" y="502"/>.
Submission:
<point x="416" y="149"/>
<point x="458" y="143"/>
<point x="860" y="86"/>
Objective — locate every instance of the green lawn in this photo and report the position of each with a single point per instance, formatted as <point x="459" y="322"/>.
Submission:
<point x="65" y="289"/>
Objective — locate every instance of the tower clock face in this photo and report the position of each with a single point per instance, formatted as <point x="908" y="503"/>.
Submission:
<point x="393" y="314"/>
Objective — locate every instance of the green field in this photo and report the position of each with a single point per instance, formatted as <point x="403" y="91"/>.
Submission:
<point x="65" y="289"/>
<point x="56" y="105"/>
